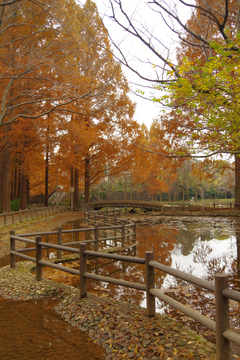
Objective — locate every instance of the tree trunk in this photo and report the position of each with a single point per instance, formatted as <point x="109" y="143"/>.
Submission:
<point x="15" y="182"/>
<point x="169" y="195"/>
<point x="28" y="190"/>
<point x="76" y="192"/>
<point x="109" y="188"/>
<point x="175" y="196"/>
<point x="143" y="192"/>
<point x="196" y="191"/>
<point x="131" y="188"/>
<point x="23" y="191"/>
<point x="87" y="179"/>
<point x="125" y="188"/>
<point x="6" y="173"/>
<point x="99" y="189"/>
<point x="237" y="181"/>
<point x="46" y="177"/>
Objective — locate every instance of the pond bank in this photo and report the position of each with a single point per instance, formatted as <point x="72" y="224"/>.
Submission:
<point x="122" y="329"/>
<point x="36" y="225"/>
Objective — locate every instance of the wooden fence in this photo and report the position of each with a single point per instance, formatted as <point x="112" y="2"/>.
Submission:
<point x="224" y="336"/>
<point x="123" y="231"/>
<point x="31" y="213"/>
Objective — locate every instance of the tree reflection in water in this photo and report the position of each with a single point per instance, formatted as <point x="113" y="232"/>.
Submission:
<point x="198" y="246"/>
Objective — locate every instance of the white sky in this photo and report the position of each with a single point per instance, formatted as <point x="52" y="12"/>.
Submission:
<point x="146" y="110"/>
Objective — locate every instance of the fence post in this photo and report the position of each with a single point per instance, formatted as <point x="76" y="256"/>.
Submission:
<point x="38" y="258"/>
<point x="123" y="234"/>
<point x="12" y="248"/>
<point x="96" y="238"/>
<point x="26" y="212"/>
<point x="150" y="283"/>
<point x="115" y="230"/>
<point x="20" y="215"/>
<point x="88" y="220"/>
<point x="222" y="318"/>
<point x="135" y="232"/>
<point x="94" y="219"/>
<point x="59" y="241"/>
<point x="13" y="220"/>
<point x="82" y="270"/>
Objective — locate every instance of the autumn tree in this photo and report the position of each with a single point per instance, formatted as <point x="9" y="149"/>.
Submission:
<point x="106" y="122"/>
<point x="32" y="70"/>
<point x="202" y="86"/>
<point x="50" y="62"/>
<point x="94" y="138"/>
<point x="154" y="175"/>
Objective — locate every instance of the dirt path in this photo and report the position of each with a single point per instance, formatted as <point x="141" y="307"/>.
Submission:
<point x="44" y="224"/>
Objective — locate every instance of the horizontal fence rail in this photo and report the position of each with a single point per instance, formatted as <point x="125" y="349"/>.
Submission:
<point x="224" y="335"/>
<point x="14" y="217"/>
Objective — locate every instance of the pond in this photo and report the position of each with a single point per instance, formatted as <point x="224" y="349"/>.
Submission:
<point x="199" y="246"/>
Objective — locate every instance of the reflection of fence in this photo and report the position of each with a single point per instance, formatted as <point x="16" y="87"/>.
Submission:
<point x="224" y="336"/>
<point x="28" y="214"/>
<point x="122" y="232"/>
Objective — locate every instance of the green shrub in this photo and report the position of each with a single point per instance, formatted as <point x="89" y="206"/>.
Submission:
<point x="15" y="204"/>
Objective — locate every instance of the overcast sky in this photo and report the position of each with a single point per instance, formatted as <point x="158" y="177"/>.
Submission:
<point x="146" y="110"/>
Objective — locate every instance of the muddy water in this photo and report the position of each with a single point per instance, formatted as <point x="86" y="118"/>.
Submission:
<point x="30" y="329"/>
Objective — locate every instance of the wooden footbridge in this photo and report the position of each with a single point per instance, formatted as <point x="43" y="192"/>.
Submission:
<point x="207" y="209"/>
<point x="125" y="203"/>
